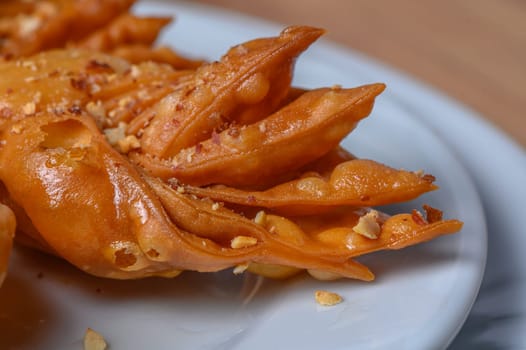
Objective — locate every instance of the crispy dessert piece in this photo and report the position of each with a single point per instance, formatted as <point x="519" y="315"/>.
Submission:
<point x="134" y="170"/>
<point x="29" y="27"/>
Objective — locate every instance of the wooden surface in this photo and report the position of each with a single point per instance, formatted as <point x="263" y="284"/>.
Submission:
<point x="473" y="50"/>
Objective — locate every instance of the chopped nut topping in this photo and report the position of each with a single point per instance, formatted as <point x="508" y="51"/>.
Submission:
<point x="37" y="97"/>
<point x="98" y="65"/>
<point x="79" y="84"/>
<point x="111" y="77"/>
<point x="29" y="108"/>
<point x="215" y="206"/>
<point x="30" y="79"/>
<point x="239" y="269"/>
<point x="135" y="71"/>
<point x="418" y="218"/>
<point x="241" y="49"/>
<point x="262" y="127"/>
<point x="175" y="162"/>
<point x="114" y="135"/>
<point x="326" y="298"/>
<point x="27" y="25"/>
<point x="112" y="113"/>
<point x="94" y="88"/>
<point x="143" y="94"/>
<point x="126" y="101"/>
<point x="261" y="218"/>
<point x="432" y="214"/>
<point x="94" y="341"/>
<point x="243" y="242"/>
<point x="429" y="178"/>
<point x="128" y="143"/>
<point x="233" y="132"/>
<point x="30" y="64"/>
<point x="5" y="110"/>
<point x="215" y="138"/>
<point x="75" y="110"/>
<point x="367" y="225"/>
<point x="180" y="189"/>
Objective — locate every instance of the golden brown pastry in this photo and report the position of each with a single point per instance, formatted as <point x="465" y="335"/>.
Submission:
<point x="133" y="170"/>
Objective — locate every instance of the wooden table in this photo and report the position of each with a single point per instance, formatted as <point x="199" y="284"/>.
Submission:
<point x="473" y="50"/>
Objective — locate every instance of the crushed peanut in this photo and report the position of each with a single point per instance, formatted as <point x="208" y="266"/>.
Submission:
<point x="126" y="101"/>
<point x="262" y="127"/>
<point x="215" y="206"/>
<point x="129" y="143"/>
<point x="143" y="95"/>
<point x="367" y="225"/>
<point x="243" y="242"/>
<point x="29" y="108"/>
<point x="29" y="64"/>
<point x="432" y="214"/>
<point x="96" y="109"/>
<point x="135" y="71"/>
<point x="16" y="129"/>
<point x="261" y="218"/>
<point x="27" y="25"/>
<point x="94" y="341"/>
<point x="180" y="189"/>
<point x="113" y="135"/>
<point x="418" y="218"/>
<point x="326" y="298"/>
<point x="94" y="88"/>
<point x="239" y="269"/>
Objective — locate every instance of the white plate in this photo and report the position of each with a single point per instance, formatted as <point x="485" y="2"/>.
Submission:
<point x="420" y="299"/>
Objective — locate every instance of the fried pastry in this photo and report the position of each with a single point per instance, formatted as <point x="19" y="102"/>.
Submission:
<point x="133" y="170"/>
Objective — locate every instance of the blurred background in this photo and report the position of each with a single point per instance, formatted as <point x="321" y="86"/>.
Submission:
<point x="472" y="50"/>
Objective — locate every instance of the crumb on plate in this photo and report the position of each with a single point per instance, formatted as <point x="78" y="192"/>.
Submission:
<point x="94" y="341"/>
<point x="326" y="298"/>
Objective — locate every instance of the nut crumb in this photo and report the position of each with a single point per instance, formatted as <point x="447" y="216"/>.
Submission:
<point x="135" y="71"/>
<point x="94" y="341"/>
<point x="129" y="143"/>
<point x="367" y="225"/>
<point x="239" y="269"/>
<point x="432" y="214"/>
<point x="215" y="206"/>
<point x="262" y="127"/>
<point x="96" y="109"/>
<point x="261" y="218"/>
<point x="418" y="218"/>
<point x="94" y="88"/>
<point x="326" y="298"/>
<point x="16" y="129"/>
<point x="243" y="242"/>
<point x="29" y="108"/>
